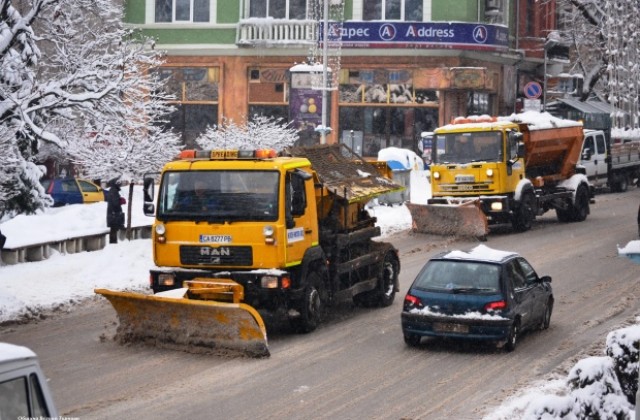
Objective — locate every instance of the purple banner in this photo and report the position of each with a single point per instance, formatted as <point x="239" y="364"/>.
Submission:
<point x="305" y="108"/>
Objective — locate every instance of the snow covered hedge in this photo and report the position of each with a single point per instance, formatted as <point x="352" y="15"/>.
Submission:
<point x="599" y="387"/>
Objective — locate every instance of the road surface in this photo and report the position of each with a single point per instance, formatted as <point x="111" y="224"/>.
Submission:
<point x="356" y="366"/>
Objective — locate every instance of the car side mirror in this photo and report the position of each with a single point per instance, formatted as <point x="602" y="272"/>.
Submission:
<point x="546" y="279"/>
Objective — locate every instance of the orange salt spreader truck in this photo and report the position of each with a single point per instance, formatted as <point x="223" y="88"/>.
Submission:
<point x="496" y="170"/>
<point x="244" y="235"/>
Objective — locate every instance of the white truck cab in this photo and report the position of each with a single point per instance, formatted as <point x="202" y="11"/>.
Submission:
<point x="594" y="158"/>
<point x="24" y="391"/>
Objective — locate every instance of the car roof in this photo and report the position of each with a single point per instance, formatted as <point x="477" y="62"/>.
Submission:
<point x="10" y="352"/>
<point x="479" y="253"/>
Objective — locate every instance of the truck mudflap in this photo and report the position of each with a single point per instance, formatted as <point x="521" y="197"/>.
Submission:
<point x="176" y="320"/>
<point x="464" y="219"/>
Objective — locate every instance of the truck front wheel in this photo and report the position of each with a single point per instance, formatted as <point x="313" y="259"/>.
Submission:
<point x="311" y="306"/>
<point x="525" y="213"/>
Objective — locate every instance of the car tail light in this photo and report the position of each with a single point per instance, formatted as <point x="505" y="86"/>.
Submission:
<point x="412" y="302"/>
<point x="496" y="306"/>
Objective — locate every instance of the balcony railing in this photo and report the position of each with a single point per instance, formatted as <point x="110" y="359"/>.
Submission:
<point x="276" y="33"/>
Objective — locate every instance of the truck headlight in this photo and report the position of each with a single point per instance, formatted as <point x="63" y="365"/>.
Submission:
<point x="166" y="280"/>
<point x="160" y="229"/>
<point x="489" y="173"/>
<point x="496" y="206"/>
<point x="269" y="282"/>
<point x="268" y="232"/>
<point x="436" y="175"/>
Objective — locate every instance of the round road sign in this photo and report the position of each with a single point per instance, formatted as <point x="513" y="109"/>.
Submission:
<point x="532" y="90"/>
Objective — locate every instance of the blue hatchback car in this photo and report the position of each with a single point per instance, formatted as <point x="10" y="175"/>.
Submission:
<point x="482" y="294"/>
<point x="73" y="191"/>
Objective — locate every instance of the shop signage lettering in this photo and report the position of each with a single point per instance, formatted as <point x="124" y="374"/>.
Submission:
<point x="420" y="35"/>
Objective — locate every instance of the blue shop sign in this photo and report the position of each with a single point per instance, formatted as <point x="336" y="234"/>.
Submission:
<point x="469" y="36"/>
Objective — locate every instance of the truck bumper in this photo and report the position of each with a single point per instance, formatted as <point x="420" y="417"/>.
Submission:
<point x="497" y="208"/>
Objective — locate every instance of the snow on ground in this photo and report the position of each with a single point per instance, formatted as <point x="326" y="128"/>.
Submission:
<point x="28" y="290"/>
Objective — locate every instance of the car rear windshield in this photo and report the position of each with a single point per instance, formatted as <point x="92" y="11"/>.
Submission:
<point x="459" y="276"/>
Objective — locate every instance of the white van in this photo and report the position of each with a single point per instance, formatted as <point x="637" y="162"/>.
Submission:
<point x="24" y="391"/>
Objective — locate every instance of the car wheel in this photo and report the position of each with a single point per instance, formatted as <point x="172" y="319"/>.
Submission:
<point x="412" y="340"/>
<point x="512" y="339"/>
<point x="546" y="320"/>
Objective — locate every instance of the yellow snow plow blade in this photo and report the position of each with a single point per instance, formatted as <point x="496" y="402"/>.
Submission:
<point x="466" y="219"/>
<point x="174" y="320"/>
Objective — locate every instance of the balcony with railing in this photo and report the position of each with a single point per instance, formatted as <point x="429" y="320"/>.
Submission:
<point x="276" y="33"/>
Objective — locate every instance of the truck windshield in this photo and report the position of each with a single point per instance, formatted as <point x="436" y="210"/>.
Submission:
<point x="219" y="196"/>
<point x="482" y="146"/>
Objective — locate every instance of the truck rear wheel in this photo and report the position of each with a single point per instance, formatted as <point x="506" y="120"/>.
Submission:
<point x="385" y="292"/>
<point x="621" y="184"/>
<point x="580" y="208"/>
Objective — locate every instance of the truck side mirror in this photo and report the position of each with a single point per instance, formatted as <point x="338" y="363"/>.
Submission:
<point x="586" y="154"/>
<point x="149" y="192"/>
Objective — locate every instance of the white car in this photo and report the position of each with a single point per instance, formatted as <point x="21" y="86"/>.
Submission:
<point x="24" y="391"/>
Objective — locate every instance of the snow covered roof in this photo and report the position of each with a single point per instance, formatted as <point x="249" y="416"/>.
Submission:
<point x="479" y="253"/>
<point x="9" y="352"/>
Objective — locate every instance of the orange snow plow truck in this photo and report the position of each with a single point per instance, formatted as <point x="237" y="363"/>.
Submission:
<point x="489" y="170"/>
<point x="243" y="236"/>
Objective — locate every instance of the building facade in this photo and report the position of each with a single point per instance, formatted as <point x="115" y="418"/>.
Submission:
<point x="395" y="68"/>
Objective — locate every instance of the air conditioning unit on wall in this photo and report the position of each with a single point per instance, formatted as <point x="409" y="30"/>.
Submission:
<point x="493" y="4"/>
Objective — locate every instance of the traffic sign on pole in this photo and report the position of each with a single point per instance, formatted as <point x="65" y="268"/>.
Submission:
<point x="532" y="90"/>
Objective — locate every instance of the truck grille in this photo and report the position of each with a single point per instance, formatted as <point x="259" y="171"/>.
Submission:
<point x="220" y="255"/>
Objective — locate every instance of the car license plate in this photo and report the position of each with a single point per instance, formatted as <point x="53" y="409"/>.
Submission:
<point x="454" y="328"/>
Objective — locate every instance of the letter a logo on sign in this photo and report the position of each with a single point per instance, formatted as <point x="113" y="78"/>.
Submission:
<point x="480" y="34"/>
<point x="387" y="32"/>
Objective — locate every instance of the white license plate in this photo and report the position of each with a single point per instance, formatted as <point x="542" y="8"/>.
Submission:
<point x="454" y="328"/>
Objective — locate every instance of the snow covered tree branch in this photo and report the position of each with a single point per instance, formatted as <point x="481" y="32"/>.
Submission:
<point x="259" y="132"/>
<point x="71" y="73"/>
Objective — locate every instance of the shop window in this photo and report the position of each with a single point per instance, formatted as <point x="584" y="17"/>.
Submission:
<point x="278" y="9"/>
<point x="191" y="120"/>
<point x="388" y="126"/>
<point x="380" y="86"/>
<point x="479" y="104"/>
<point x="276" y="112"/>
<point x="182" y="10"/>
<point x="192" y="83"/>
<point x="404" y="10"/>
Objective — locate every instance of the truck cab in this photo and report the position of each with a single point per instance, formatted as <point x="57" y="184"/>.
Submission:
<point x="594" y="157"/>
<point x="24" y="392"/>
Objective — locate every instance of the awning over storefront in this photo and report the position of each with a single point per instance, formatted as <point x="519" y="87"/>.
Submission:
<point x="595" y="115"/>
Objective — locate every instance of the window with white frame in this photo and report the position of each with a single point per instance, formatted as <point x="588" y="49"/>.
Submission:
<point x="404" y="10"/>
<point x="278" y="9"/>
<point x="182" y="10"/>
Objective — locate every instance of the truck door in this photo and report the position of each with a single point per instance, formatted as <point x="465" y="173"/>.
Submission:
<point x="593" y="158"/>
<point x="300" y="215"/>
<point x="601" y="150"/>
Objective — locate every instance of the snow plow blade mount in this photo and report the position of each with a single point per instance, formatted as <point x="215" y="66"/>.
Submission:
<point x="466" y="219"/>
<point x="191" y="325"/>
